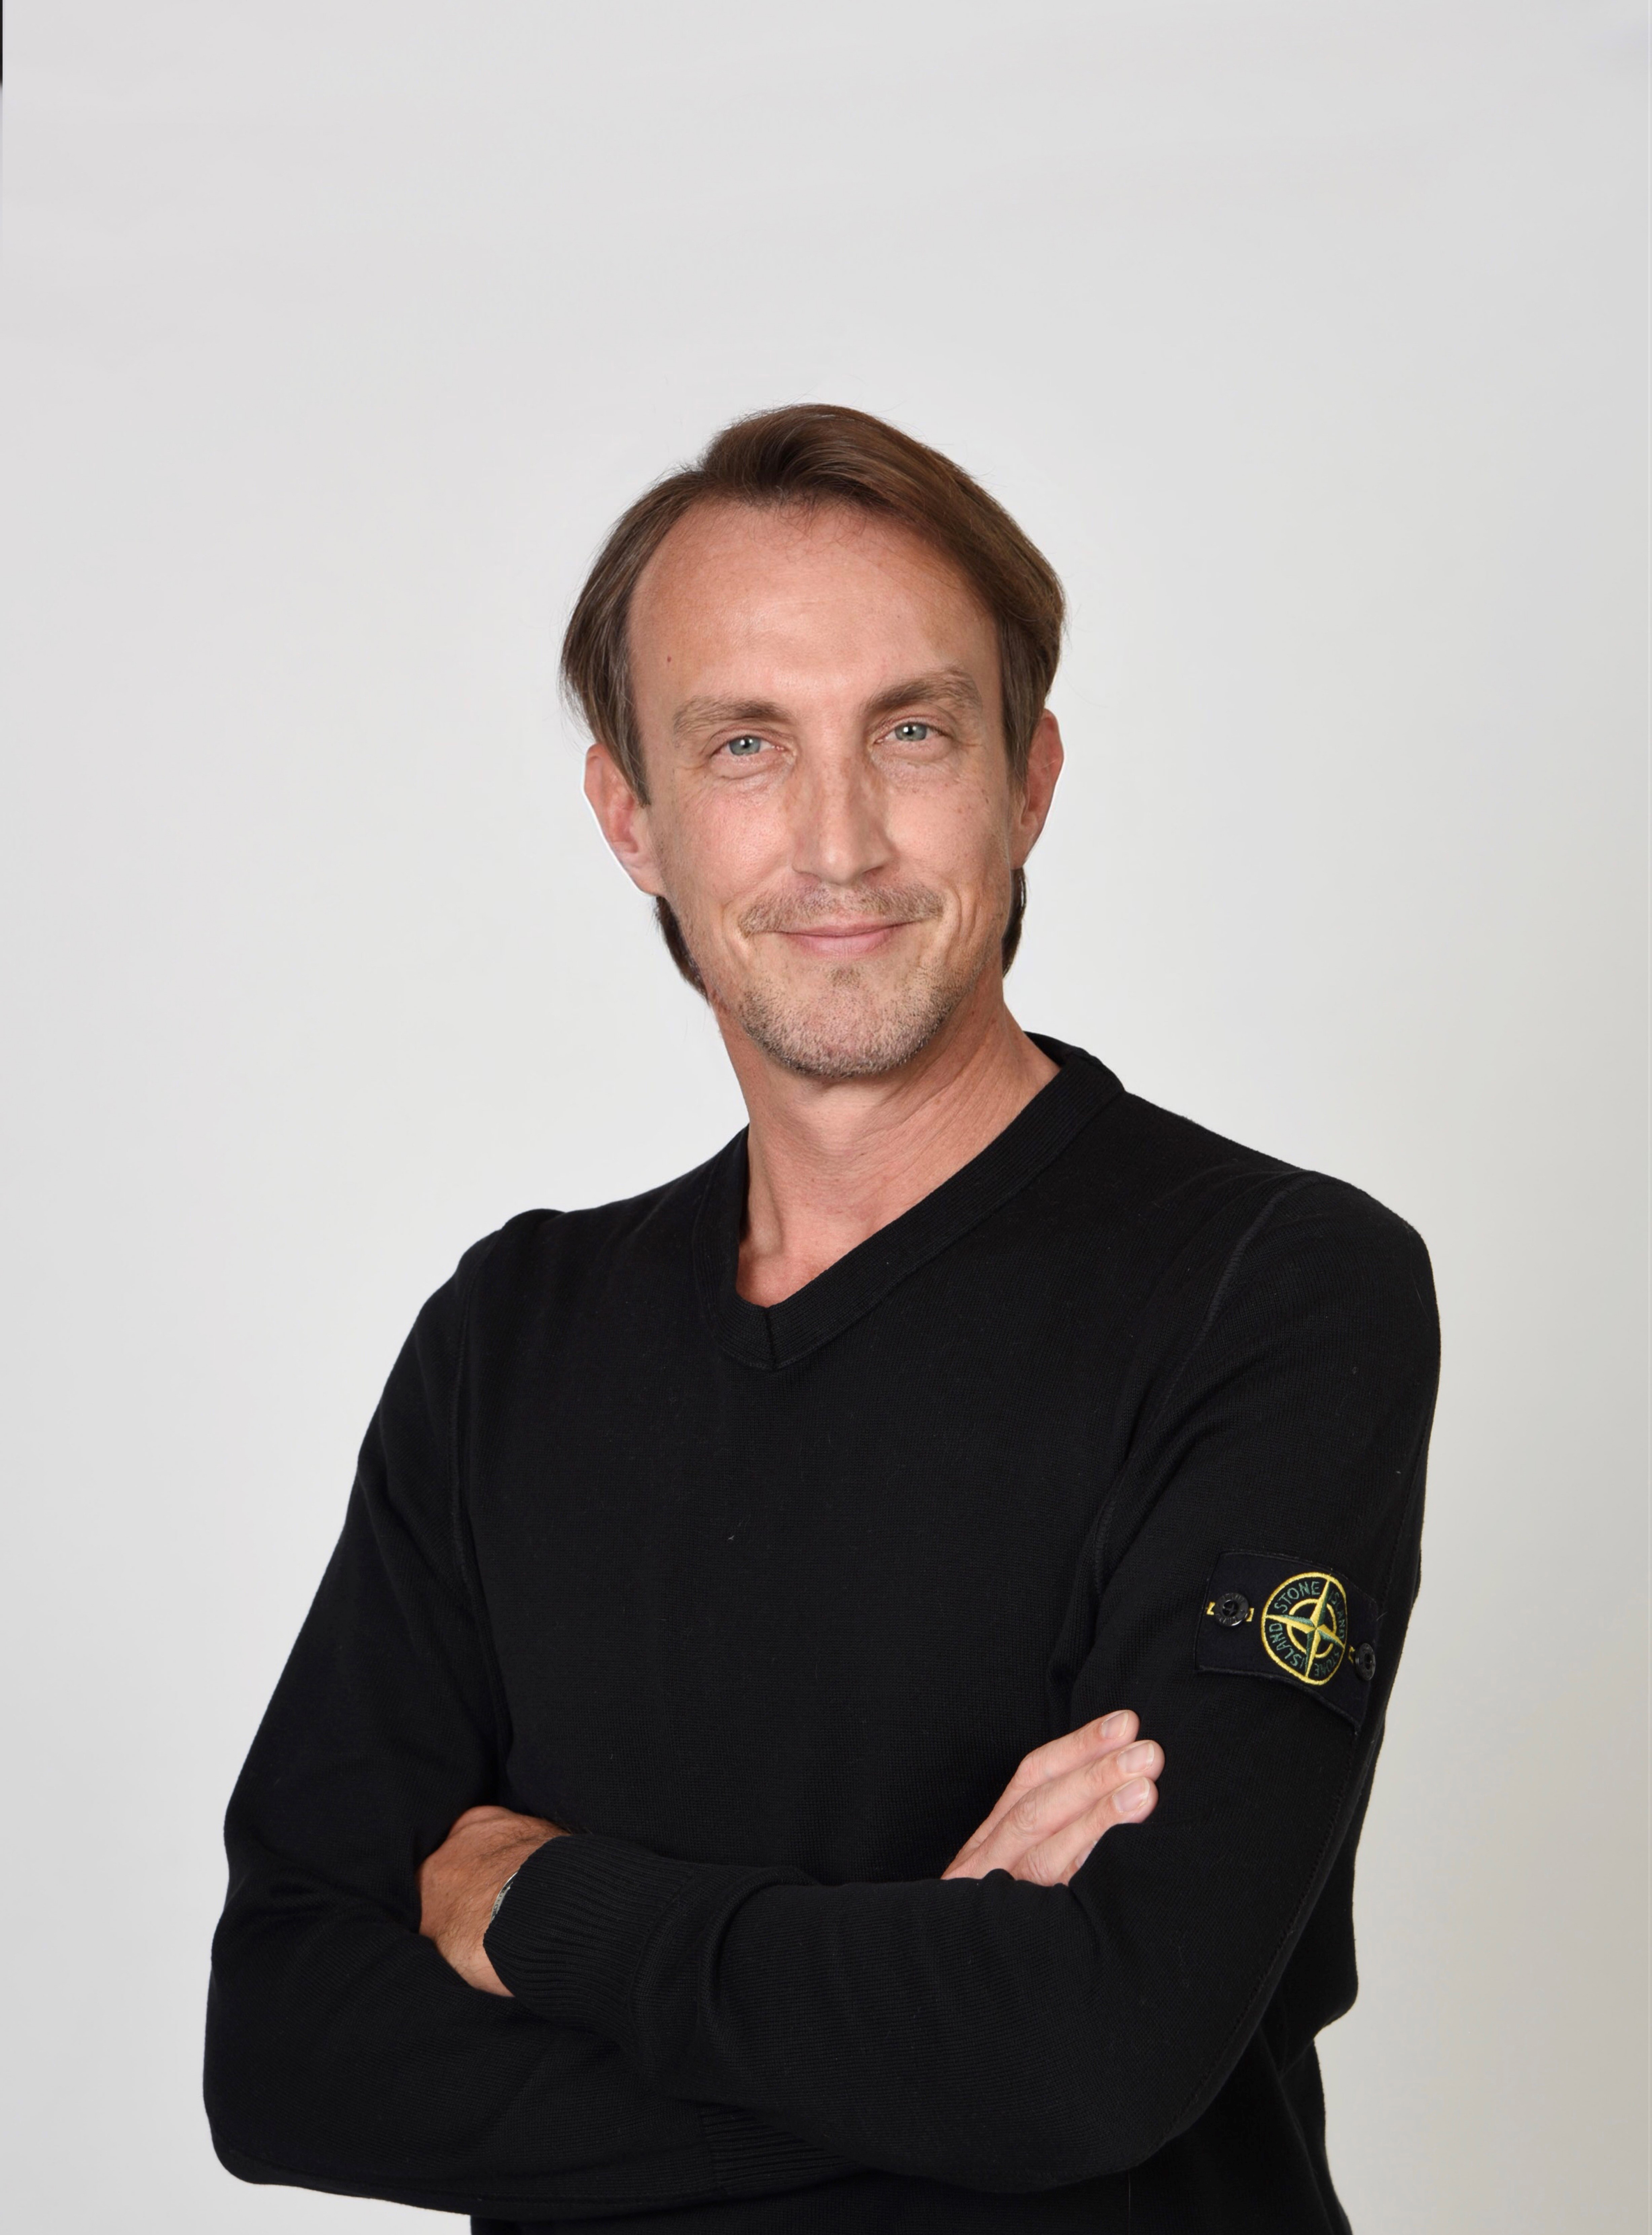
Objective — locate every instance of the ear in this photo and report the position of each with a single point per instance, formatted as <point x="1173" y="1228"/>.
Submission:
<point x="622" y="818"/>
<point x="1043" y="767"/>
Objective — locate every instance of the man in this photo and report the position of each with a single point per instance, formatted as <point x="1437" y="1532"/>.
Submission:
<point x="848" y="1689"/>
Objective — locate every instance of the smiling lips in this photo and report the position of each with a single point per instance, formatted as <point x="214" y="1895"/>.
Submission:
<point x="840" y="926"/>
<point x="839" y="942"/>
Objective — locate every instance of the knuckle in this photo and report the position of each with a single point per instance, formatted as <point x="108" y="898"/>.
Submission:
<point x="1025" y="1814"/>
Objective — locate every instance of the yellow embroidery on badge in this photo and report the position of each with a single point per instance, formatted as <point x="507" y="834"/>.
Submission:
<point x="1305" y="1626"/>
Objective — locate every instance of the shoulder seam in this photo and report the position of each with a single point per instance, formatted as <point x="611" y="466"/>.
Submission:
<point x="1235" y="1257"/>
<point x="1219" y="1297"/>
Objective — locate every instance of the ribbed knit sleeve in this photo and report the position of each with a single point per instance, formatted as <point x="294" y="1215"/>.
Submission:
<point x="1007" y="2036"/>
<point x="341" y="2051"/>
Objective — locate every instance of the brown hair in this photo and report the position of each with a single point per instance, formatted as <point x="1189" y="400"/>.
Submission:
<point x="809" y="454"/>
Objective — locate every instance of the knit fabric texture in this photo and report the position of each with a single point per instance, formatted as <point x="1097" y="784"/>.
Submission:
<point x="763" y="1607"/>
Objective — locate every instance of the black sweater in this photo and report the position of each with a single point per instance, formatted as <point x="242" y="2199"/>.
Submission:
<point x="764" y="1606"/>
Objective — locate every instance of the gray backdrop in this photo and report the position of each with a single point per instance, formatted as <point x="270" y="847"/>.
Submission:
<point x="1309" y="343"/>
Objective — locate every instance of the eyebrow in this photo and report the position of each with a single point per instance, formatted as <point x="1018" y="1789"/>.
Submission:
<point x="946" y="686"/>
<point x="712" y="713"/>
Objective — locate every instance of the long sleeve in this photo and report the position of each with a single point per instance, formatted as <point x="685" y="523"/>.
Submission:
<point x="341" y="2051"/>
<point x="1007" y="2036"/>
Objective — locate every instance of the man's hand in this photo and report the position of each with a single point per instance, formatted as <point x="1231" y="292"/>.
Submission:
<point x="1061" y="1799"/>
<point x="459" y="1883"/>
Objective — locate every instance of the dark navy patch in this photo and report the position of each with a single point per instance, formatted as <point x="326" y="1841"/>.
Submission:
<point x="1264" y="1615"/>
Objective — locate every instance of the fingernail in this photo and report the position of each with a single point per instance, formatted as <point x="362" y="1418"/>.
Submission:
<point x="1138" y="1757"/>
<point x="1132" y="1798"/>
<point x="1112" y="1726"/>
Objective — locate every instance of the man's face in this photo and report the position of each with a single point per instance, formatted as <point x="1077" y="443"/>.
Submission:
<point x="830" y="813"/>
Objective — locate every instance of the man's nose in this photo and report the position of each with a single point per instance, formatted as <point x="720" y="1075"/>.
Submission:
<point x="840" y="834"/>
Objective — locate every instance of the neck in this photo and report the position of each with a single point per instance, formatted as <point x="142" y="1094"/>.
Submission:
<point x="832" y="1161"/>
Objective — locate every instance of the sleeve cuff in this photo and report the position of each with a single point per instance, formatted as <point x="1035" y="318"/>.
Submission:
<point x="751" y="2157"/>
<point x="567" y="1937"/>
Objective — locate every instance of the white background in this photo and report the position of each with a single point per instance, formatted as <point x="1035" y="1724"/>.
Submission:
<point x="1309" y="342"/>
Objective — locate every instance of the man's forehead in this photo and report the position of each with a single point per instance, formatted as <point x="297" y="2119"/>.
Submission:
<point x="722" y="556"/>
<point x="767" y="617"/>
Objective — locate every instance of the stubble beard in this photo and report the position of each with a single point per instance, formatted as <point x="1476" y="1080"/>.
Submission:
<point x="849" y="1030"/>
<point x="851" y="1026"/>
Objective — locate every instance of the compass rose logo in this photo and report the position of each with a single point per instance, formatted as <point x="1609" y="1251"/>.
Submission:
<point x="1305" y="1626"/>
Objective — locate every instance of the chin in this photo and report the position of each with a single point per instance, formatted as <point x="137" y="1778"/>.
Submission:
<point x="852" y="1028"/>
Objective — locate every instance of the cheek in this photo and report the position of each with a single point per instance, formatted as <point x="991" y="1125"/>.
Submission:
<point x="721" y="848"/>
<point x="956" y="835"/>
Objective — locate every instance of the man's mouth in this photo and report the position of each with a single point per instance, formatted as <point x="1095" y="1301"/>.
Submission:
<point x="841" y="942"/>
<point x="842" y="927"/>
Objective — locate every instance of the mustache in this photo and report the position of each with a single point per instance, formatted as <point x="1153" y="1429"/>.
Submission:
<point x="877" y="903"/>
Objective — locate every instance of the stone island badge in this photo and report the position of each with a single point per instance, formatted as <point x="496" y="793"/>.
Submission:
<point x="1265" y="1614"/>
<point x="1305" y="1626"/>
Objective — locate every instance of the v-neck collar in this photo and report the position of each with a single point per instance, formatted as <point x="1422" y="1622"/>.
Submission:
<point x="780" y="1334"/>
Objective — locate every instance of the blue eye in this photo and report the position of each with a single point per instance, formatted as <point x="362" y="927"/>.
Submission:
<point x="911" y="733"/>
<point x="742" y="748"/>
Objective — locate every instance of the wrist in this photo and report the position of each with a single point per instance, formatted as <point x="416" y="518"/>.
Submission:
<point x="500" y="1896"/>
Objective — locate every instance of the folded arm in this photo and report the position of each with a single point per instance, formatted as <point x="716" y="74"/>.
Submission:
<point x="1009" y="2035"/>
<point x="1063" y="1797"/>
<point x="342" y="2052"/>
